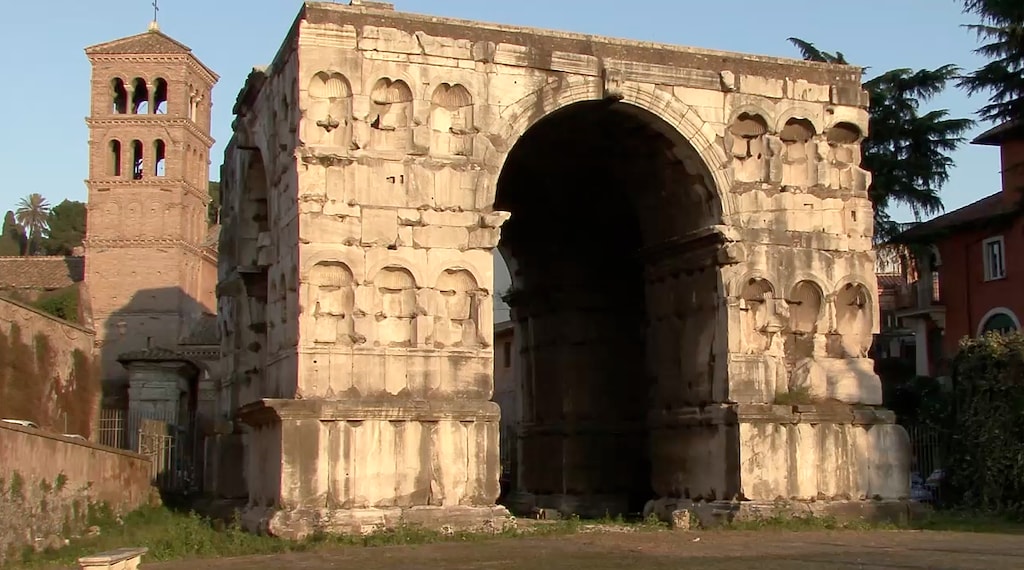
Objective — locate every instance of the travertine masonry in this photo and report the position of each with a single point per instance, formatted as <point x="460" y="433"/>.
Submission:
<point x="689" y="236"/>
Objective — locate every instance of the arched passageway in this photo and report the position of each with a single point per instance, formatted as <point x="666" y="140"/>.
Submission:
<point x="605" y="197"/>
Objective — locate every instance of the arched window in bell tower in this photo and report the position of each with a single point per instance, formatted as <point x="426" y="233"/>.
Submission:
<point x="120" y="97"/>
<point x="160" y="154"/>
<point x="137" y="162"/>
<point x="115" y="158"/>
<point x="140" y="96"/>
<point x="160" y="96"/>
<point x="192" y="102"/>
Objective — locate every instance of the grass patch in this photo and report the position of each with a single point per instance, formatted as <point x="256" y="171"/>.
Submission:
<point x="807" y="523"/>
<point x="801" y="395"/>
<point x="173" y="535"/>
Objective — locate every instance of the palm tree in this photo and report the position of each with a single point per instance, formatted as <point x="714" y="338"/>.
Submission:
<point x="906" y="151"/>
<point x="1002" y="27"/>
<point x="32" y="212"/>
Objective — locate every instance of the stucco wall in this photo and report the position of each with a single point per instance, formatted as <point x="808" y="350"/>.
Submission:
<point x="47" y="370"/>
<point x="968" y="297"/>
<point x="48" y="484"/>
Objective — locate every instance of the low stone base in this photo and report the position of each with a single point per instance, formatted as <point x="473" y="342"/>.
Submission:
<point x="301" y="523"/>
<point x="590" y="506"/>
<point x="718" y="513"/>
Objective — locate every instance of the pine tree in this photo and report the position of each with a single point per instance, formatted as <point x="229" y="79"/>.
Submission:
<point x="13" y="240"/>
<point x="1002" y="28"/>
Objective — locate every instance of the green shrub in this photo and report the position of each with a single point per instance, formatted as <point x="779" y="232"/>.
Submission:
<point x="986" y="428"/>
<point x="62" y="304"/>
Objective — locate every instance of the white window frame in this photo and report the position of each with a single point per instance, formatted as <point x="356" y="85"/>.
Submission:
<point x="993" y="273"/>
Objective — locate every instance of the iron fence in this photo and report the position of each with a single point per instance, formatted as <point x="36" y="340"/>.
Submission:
<point x="172" y="443"/>
<point x="508" y="439"/>
<point x="927" y="466"/>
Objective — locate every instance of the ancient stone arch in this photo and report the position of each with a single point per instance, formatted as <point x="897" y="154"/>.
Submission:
<point x="670" y="256"/>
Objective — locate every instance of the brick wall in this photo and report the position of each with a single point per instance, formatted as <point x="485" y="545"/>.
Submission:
<point x="48" y="485"/>
<point x="47" y="371"/>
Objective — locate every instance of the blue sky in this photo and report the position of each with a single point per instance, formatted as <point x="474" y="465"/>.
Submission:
<point x="44" y="144"/>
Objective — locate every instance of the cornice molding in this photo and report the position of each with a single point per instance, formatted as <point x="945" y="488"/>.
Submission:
<point x="151" y="120"/>
<point x="152" y="183"/>
<point x="142" y="242"/>
<point x="189" y="60"/>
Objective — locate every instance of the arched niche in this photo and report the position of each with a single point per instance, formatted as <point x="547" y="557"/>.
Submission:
<point x="391" y="115"/>
<point x="805" y="308"/>
<point x="799" y="153"/>
<point x="757" y="306"/>
<point x="395" y="306"/>
<point x="451" y="120"/>
<point x="332" y="296"/>
<point x="457" y="321"/>
<point x="328" y="119"/>
<point x="844" y="140"/>
<point x="748" y="147"/>
<point x="854" y="321"/>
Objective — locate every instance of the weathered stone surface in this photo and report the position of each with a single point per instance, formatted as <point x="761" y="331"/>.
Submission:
<point x="688" y="229"/>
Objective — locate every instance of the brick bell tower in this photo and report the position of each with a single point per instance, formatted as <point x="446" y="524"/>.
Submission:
<point x="150" y="266"/>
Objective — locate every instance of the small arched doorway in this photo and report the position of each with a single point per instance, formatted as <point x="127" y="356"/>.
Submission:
<point x="615" y="301"/>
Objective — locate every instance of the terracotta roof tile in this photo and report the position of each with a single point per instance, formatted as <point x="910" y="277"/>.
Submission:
<point x="151" y="42"/>
<point x="983" y="210"/>
<point x="41" y="272"/>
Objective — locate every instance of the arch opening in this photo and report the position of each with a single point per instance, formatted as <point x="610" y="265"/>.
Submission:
<point x="611" y="313"/>
<point x="160" y="156"/>
<point x="119" y="102"/>
<point x="160" y="97"/>
<point x="137" y="160"/>
<point x="115" y="158"/>
<point x="140" y="96"/>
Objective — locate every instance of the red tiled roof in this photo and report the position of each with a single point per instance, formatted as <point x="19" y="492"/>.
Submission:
<point x="151" y="42"/>
<point x="987" y="208"/>
<point x="41" y="272"/>
<point x="1012" y="130"/>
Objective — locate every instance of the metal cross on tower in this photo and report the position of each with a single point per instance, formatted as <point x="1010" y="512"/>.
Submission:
<point x="156" y="9"/>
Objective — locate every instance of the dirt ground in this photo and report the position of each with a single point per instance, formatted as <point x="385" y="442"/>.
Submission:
<point x="720" y="550"/>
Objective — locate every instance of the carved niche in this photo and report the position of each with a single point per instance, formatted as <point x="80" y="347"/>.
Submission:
<point x="799" y="153"/>
<point x="451" y="121"/>
<point x="457" y="320"/>
<point x="853" y="324"/>
<point x="333" y="299"/>
<point x="746" y="140"/>
<point x="395" y="307"/>
<point x="806" y="302"/>
<point x="391" y="115"/>
<point x="757" y="317"/>
<point x="844" y="157"/>
<point x="328" y="121"/>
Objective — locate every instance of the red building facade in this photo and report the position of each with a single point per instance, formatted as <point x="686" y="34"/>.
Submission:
<point x="969" y="275"/>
